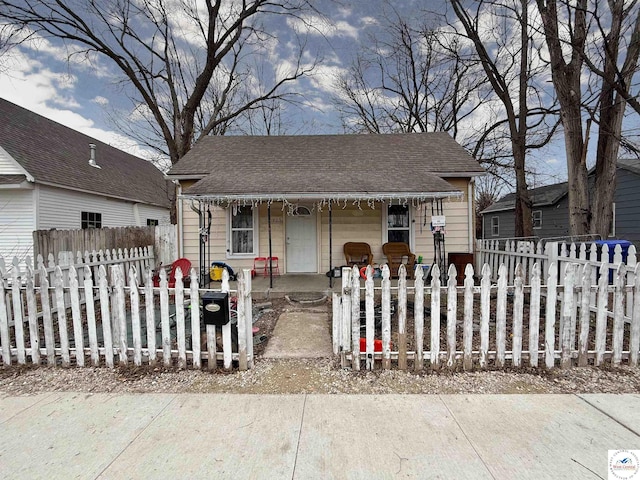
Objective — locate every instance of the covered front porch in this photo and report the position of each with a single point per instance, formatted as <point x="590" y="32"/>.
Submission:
<point x="298" y="284"/>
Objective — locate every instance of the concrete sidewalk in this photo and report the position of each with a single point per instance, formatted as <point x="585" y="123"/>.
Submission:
<point x="65" y="435"/>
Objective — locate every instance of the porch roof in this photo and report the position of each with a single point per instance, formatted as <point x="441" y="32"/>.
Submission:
<point x="325" y="167"/>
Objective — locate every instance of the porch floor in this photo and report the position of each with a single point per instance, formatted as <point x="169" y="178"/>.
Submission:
<point x="297" y="283"/>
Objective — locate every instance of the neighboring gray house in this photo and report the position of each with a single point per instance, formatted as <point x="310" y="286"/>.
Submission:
<point x="54" y="177"/>
<point x="551" y="206"/>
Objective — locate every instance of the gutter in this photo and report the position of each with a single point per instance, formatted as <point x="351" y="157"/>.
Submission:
<point x="329" y="196"/>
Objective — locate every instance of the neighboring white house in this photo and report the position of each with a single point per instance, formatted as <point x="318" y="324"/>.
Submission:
<point x="54" y="177"/>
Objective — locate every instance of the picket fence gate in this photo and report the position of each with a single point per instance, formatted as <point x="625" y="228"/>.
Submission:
<point x="562" y="329"/>
<point x="34" y="334"/>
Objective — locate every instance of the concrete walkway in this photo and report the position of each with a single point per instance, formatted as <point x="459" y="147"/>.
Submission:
<point x="66" y="435"/>
<point x="301" y="333"/>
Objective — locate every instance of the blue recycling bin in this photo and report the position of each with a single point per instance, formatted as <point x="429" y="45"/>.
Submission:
<point x="624" y="245"/>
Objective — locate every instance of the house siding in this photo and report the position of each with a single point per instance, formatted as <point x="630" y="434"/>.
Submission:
<point x="8" y="165"/>
<point x="16" y="223"/>
<point x="627" y="198"/>
<point x="349" y="224"/>
<point x="61" y="208"/>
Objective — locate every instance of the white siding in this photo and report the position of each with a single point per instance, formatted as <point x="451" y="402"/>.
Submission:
<point x="61" y="208"/>
<point x="155" y="213"/>
<point x="8" y="166"/>
<point x="16" y="223"/>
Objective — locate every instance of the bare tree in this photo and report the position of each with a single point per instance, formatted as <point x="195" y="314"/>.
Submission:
<point x="186" y="64"/>
<point x="503" y="49"/>
<point x="408" y="79"/>
<point x="612" y="33"/>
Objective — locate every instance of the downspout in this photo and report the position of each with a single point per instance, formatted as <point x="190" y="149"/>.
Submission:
<point x="470" y="202"/>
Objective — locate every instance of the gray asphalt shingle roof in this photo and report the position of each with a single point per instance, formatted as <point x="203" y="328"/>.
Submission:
<point x="315" y="164"/>
<point x="58" y="155"/>
<point x="541" y="196"/>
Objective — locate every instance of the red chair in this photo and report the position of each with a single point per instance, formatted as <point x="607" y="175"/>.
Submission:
<point x="259" y="266"/>
<point x="185" y="266"/>
<point x="272" y="263"/>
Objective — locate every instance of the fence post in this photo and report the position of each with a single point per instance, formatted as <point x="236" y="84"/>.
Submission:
<point x="386" y="317"/>
<point x="346" y="316"/>
<point x="150" y="316"/>
<point x="91" y="316"/>
<point x="243" y="338"/>
<point x="585" y="312"/>
<point x="485" y="313"/>
<point x="452" y="307"/>
<point x="618" y="313"/>
<point x="402" y="317"/>
<point x="567" y="312"/>
<point x="435" y="318"/>
<point x="550" y="315"/>
<point x="62" y="316"/>
<point x="4" y="322"/>
<point x="194" y="297"/>
<point x="534" y="315"/>
<point x="119" y="313"/>
<point x="78" y="333"/>
<point x="418" y="315"/>
<point x="105" y="313"/>
<point x="18" y="322"/>
<point x="518" y="307"/>
<point x="634" y="342"/>
<point x="227" y="344"/>
<point x="180" y="321"/>
<point x="501" y="316"/>
<point x="34" y="334"/>
<point x="356" y="320"/>
<point x="134" y="298"/>
<point x="164" y="319"/>
<point x="467" y="334"/>
<point x="336" y="305"/>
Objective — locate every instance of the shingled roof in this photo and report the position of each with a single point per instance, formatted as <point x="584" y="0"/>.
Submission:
<point x="540" y="197"/>
<point x="358" y="166"/>
<point x="57" y="155"/>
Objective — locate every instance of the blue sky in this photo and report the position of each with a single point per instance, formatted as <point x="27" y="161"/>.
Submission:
<point x="82" y="94"/>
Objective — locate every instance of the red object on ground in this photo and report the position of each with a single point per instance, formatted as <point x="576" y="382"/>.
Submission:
<point x="377" y="345"/>
<point x="185" y="267"/>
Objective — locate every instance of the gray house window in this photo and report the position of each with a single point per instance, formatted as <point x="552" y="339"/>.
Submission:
<point x="537" y="219"/>
<point x="90" y="220"/>
<point x="495" y="226"/>
<point x="152" y="222"/>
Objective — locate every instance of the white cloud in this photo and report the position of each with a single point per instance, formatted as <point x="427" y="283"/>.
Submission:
<point x="317" y="25"/>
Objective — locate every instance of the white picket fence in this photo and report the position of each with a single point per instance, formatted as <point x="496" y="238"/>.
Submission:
<point x="483" y="325"/>
<point x="525" y="253"/>
<point x="34" y="334"/>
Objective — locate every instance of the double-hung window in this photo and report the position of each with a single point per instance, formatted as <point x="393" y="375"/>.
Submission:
<point x="398" y="224"/>
<point x="242" y="231"/>
<point x="495" y="226"/>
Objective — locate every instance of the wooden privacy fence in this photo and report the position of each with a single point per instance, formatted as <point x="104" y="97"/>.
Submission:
<point x="163" y="237"/>
<point x="119" y="323"/>
<point x="490" y="325"/>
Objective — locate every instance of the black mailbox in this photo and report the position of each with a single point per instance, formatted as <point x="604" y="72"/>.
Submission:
<point x="215" y="308"/>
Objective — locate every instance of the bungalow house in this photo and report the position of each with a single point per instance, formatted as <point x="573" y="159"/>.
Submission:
<point x="551" y="208"/>
<point x="54" y="177"/>
<point x="303" y="197"/>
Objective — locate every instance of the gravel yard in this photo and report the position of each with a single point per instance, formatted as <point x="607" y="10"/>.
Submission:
<point x="282" y="376"/>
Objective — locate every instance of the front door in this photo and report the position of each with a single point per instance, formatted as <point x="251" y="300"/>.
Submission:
<point x="302" y="241"/>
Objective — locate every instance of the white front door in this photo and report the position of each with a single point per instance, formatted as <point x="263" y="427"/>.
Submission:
<point x="302" y="249"/>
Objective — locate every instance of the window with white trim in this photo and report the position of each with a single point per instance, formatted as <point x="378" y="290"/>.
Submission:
<point x="495" y="226"/>
<point x="536" y="217"/>
<point x="242" y="231"/>
<point x="398" y="224"/>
